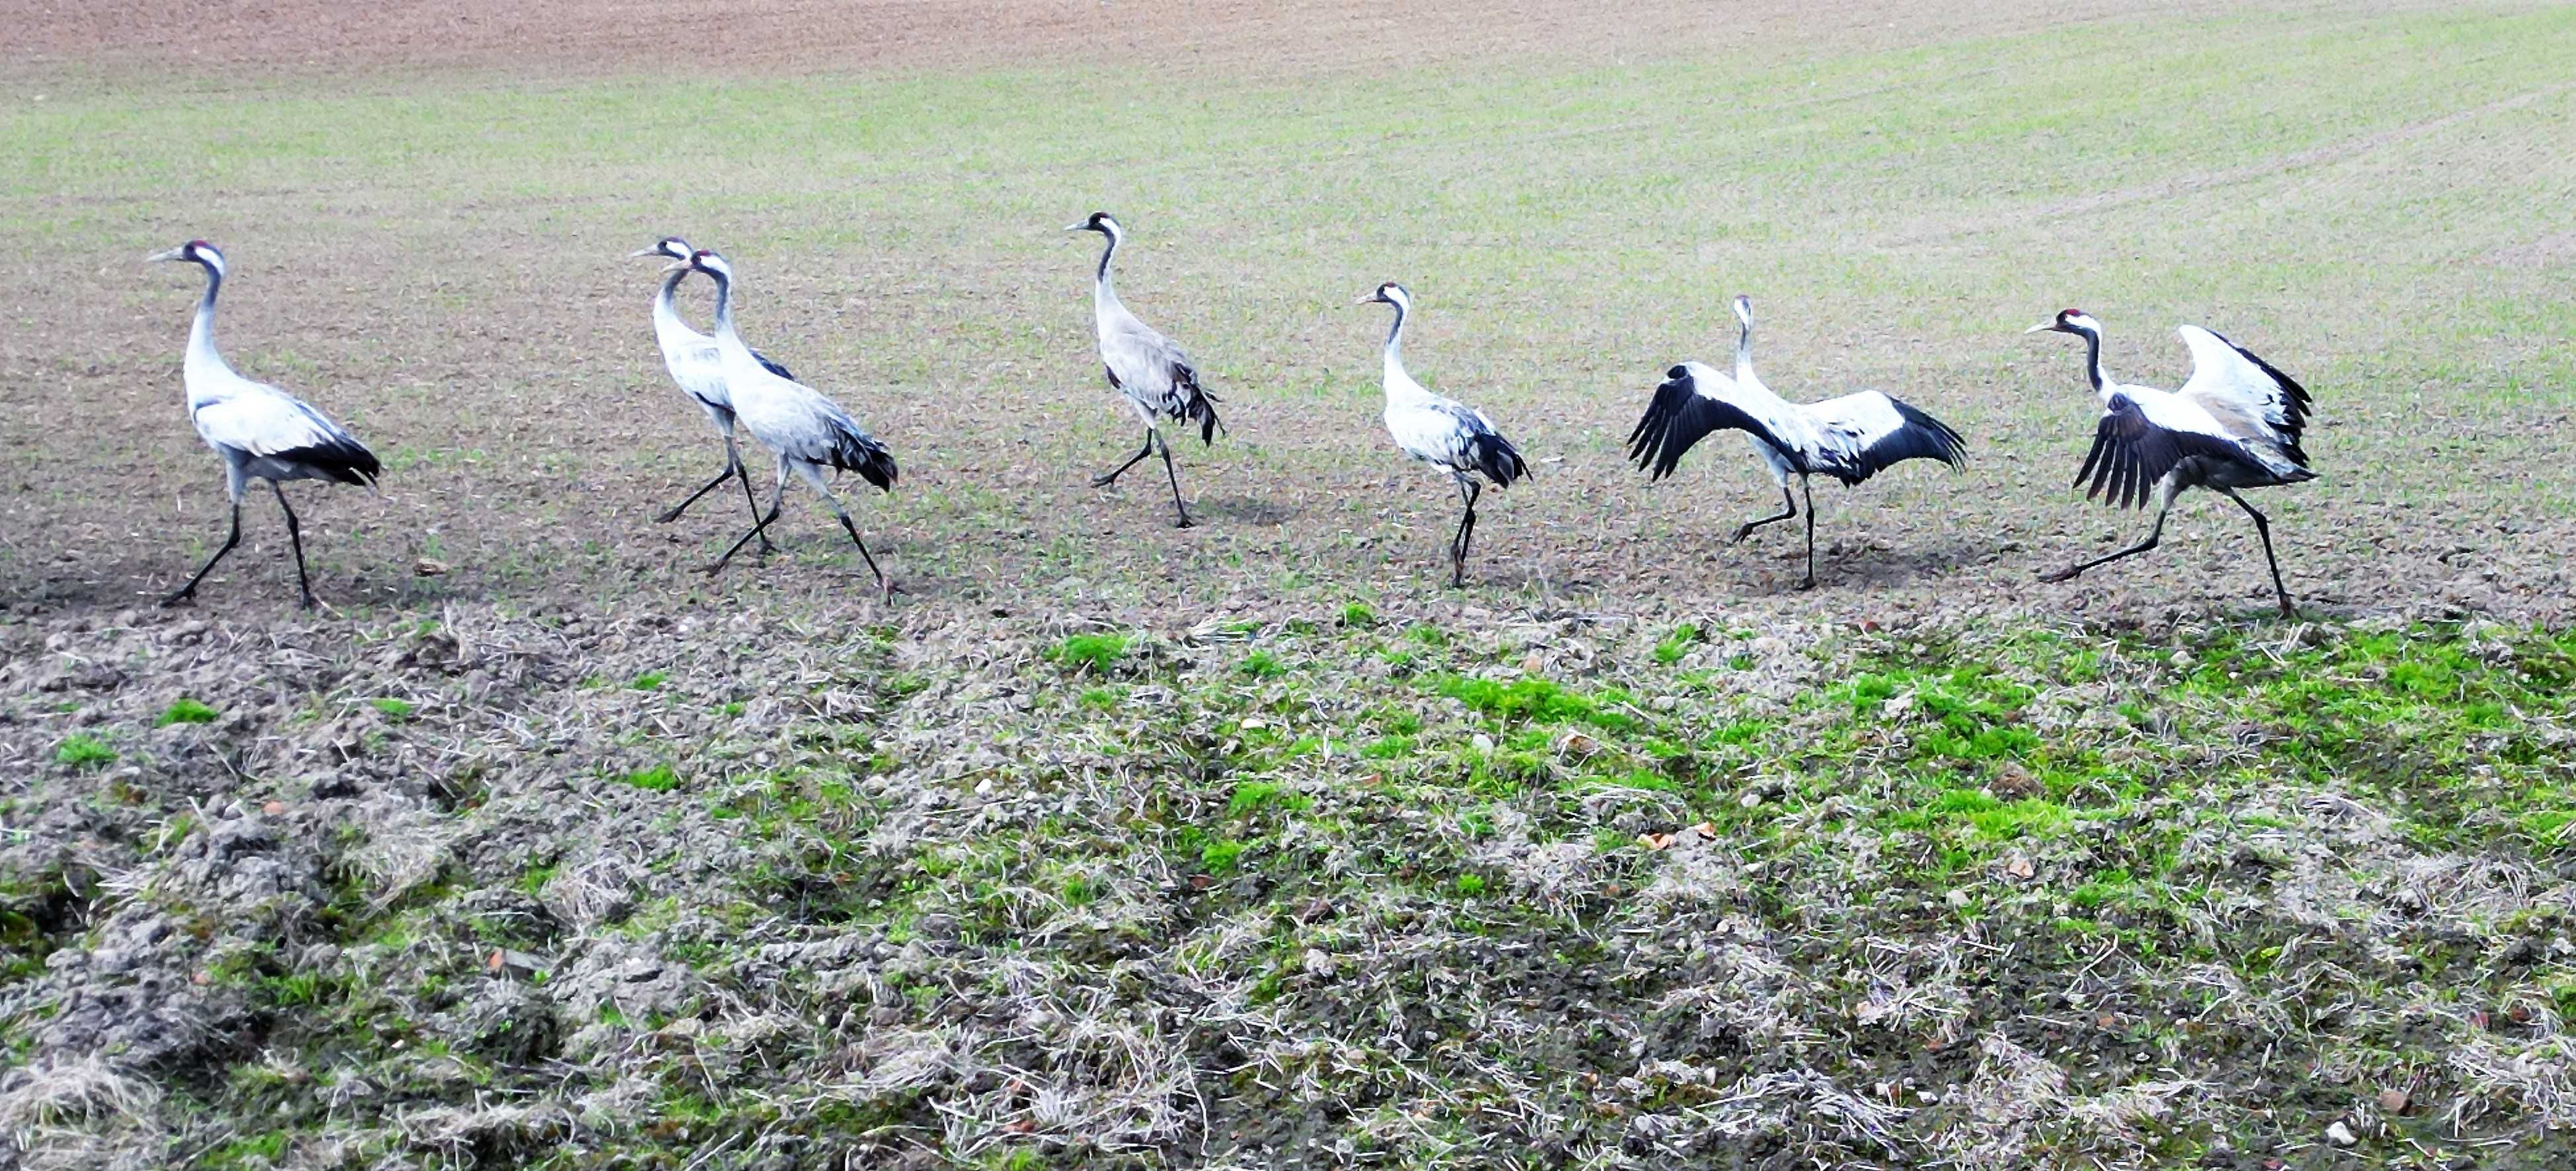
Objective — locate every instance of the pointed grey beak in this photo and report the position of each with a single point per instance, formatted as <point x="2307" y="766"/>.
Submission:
<point x="2042" y="327"/>
<point x="641" y="253"/>
<point x="1077" y="227"/>
<point x="180" y="253"/>
<point x="1365" y="300"/>
<point x="674" y="266"/>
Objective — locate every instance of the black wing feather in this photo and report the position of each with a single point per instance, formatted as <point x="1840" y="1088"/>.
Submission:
<point x="1496" y="457"/>
<point x="2131" y="455"/>
<point x="1678" y="417"/>
<point x="856" y="451"/>
<point x="1195" y="403"/>
<point x="770" y="366"/>
<point x="1921" y="437"/>
<point x="343" y="459"/>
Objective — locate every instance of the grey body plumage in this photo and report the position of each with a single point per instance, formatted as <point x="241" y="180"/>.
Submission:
<point x="804" y="430"/>
<point x="260" y="432"/>
<point x="1446" y="434"/>
<point x="1151" y="371"/>
<point x="697" y="368"/>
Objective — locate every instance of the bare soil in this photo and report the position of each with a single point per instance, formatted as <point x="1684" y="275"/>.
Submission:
<point x="1229" y="37"/>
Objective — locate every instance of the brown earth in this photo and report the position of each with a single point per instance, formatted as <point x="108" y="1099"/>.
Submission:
<point x="1214" y="39"/>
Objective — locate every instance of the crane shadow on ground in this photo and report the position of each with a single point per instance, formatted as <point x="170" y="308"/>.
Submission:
<point x="1842" y="568"/>
<point x="1246" y="510"/>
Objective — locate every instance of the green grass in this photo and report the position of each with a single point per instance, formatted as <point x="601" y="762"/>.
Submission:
<point x="186" y="711"/>
<point x="1262" y="665"/>
<point x="658" y="779"/>
<point x="1673" y="647"/>
<point x="397" y="710"/>
<point x="81" y="750"/>
<point x="1098" y="654"/>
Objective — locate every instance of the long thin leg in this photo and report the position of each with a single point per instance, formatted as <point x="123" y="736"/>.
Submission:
<point x="1788" y="511"/>
<point x="731" y="469"/>
<point x="758" y="524"/>
<point x="1103" y="481"/>
<point x="1166" y="445"/>
<point x="1458" y="538"/>
<point x="185" y="592"/>
<point x="294" y="537"/>
<point x="814" y="477"/>
<point x="1466" y="532"/>
<point x="733" y="455"/>
<point x="2164" y="505"/>
<point x="1807" y="488"/>
<point x="2263" y="528"/>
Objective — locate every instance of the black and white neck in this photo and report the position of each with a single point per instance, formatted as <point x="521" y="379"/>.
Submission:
<point x="2081" y="324"/>
<point x="666" y="306"/>
<point x="1403" y="302"/>
<point x="1101" y="285"/>
<point x="1399" y="384"/>
<point x="1744" y="339"/>
<point x="722" y="274"/>
<point x="203" y="360"/>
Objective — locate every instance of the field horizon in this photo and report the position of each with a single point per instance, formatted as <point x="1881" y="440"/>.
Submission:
<point x="1254" y="844"/>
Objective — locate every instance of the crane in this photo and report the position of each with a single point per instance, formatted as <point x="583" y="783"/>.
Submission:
<point x="2234" y="424"/>
<point x="691" y="358"/>
<point x="806" y="431"/>
<point x="1850" y="438"/>
<point x="1444" y="433"/>
<point x="261" y="432"/>
<point x="1148" y="368"/>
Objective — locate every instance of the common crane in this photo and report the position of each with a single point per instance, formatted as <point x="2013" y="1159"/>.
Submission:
<point x="260" y="431"/>
<point x="1148" y="368"/>
<point x="2234" y="424"/>
<point x="806" y="431"/>
<point x="691" y="358"/>
<point x="1850" y="438"/>
<point x="1446" y="434"/>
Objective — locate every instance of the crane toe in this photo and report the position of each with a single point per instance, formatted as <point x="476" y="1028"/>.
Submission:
<point x="2067" y="574"/>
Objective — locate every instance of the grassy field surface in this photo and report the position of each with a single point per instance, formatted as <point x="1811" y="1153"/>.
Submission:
<point x="1253" y="845"/>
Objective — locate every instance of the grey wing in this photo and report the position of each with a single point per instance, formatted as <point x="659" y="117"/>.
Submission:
<point x="1145" y="364"/>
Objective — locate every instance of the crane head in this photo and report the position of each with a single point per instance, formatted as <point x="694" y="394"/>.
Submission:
<point x="1100" y="222"/>
<point x="1389" y="293"/>
<point x="1744" y="310"/>
<point x="2069" y="321"/>
<point x="670" y="246"/>
<point x="194" y="252"/>
<point x="711" y="264"/>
